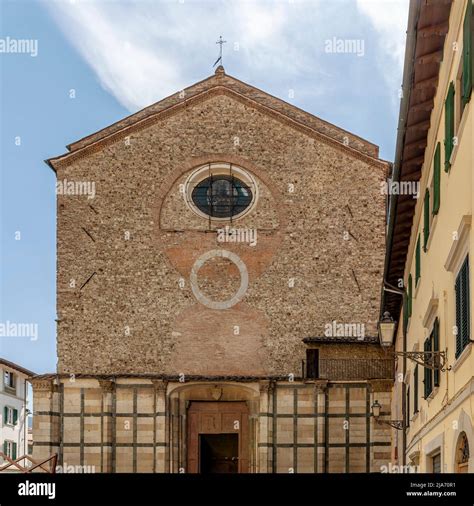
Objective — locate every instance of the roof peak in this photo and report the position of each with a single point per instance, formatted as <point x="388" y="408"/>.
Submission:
<point x="219" y="71"/>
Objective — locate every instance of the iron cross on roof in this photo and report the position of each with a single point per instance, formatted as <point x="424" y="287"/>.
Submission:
<point x="220" y="42"/>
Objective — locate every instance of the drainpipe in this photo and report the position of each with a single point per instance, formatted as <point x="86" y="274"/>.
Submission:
<point x="408" y="76"/>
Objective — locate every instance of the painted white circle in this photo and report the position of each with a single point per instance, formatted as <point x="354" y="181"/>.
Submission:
<point x="244" y="279"/>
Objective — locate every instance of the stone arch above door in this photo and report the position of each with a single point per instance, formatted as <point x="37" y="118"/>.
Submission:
<point x="464" y="426"/>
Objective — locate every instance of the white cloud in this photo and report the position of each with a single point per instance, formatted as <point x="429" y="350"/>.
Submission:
<point x="142" y="51"/>
<point x="389" y="19"/>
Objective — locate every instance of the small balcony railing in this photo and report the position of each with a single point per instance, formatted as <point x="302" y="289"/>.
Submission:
<point x="340" y="369"/>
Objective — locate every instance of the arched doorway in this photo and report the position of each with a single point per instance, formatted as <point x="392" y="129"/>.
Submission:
<point x="213" y="427"/>
<point x="462" y="454"/>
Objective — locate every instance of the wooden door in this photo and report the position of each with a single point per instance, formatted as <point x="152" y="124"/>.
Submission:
<point x="217" y="418"/>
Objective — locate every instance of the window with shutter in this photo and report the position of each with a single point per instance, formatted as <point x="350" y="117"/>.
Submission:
<point x="5" y="415"/>
<point x="435" y="347"/>
<point x="426" y="230"/>
<point x="467" y="55"/>
<point x="417" y="261"/>
<point x="405" y="313"/>
<point x="448" y="127"/>
<point x="463" y="317"/>
<point x="436" y="179"/>
<point x="410" y="296"/>
<point x="436" y="463"/>
<point x="415" y="389"/>
<point x="428" y="372"/>
<point x="15" y="416"/>
<point x="407" y="410"/>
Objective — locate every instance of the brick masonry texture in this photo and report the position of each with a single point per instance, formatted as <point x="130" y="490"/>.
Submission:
<point x="139" y="240"/>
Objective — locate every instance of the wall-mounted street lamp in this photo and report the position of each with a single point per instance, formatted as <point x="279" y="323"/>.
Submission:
<point x="396" y="424"/>
<point x="435" y="360"/>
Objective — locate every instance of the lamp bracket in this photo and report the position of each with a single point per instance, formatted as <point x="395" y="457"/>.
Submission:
<point x="396" y="424"/>
<point x="435" y="360"/>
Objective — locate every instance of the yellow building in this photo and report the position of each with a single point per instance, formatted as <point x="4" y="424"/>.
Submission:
<point x="430" y="243"/>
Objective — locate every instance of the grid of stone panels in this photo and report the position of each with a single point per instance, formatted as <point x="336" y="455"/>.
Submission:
<point x="300" y="430"/>
<point x="325" y="429"/>
<point x="134" y="414"/>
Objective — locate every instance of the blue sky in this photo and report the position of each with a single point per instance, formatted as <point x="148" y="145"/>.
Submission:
<point x="98" y="61"/>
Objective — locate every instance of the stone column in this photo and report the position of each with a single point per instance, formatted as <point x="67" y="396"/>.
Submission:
<point x="265" y="427"/>
<point x="107" y="420"/>
<point x="46" y="423"/>
<point x="161" y="427"/>
<point x="320" y="425"/>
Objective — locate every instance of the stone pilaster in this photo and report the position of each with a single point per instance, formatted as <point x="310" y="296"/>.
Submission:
<point x="161" y="427"/>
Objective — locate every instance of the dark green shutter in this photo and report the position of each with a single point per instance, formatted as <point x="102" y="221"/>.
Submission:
<point x="426" y="230"/>
<point x="15" y="416"/>
<point x="5" y="447"/>
<point x="428" y="375"/>
<point x="13" y="451"/>
<point x="417" y="261"/>
<point x="466" y="336"/>
<point x="410" y="296"/>
<point x="463" y="313"/>
<point x="448" y="126"/>
<point x="436" y="348"/>
<point x="467" y="55"/>
<point x="436" y="179"/>
<point x="415" y="389"/>
<point x="407" y="409"/>
<point x="5" y="415"/>
<point x="458" y="291"/>
<point x="405" y="313"/>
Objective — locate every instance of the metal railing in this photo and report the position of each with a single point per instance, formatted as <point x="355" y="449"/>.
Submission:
<point x="30" y="465"/>
<point x="349" y="369"/>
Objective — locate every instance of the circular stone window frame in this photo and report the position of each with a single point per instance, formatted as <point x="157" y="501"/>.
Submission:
<point x="244" y="279"/>
<point x="219" y="169"/>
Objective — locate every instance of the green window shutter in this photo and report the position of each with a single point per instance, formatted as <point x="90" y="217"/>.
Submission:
<point x="465" y="304"/>
<point x="14" y="451"/>
<point x="448" y="126"/>
<point x="426" y="230"/>
<point x="436" y="348"/>
<point x="15" y="416"/>
<point x="415" y="389"/>
<point x="463" y="313"/>
<point x="467" y="55"/>
<point x="405" y="313"/>
<point x="428" y="375"/>
<point x="5" y="415"/>
<point x="457" y="289"/>
<point x="410" y="296"/>
<point x="407" y="409"/>
<point x="417" y="261"/>
<point x="425" y="377"/>
<point x="5" y="447"/>
<point x="436" y="179"/>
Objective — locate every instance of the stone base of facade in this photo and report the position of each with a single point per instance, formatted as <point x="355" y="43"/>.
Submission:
<point x="153" y="425"/>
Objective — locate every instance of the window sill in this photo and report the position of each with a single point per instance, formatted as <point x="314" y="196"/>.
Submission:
<point x="10" y="390"/>
<point x="462" y="358"/>
<point x="432" y="395"/>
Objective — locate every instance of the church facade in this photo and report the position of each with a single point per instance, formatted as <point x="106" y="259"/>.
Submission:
<point x="218" y="292"/>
